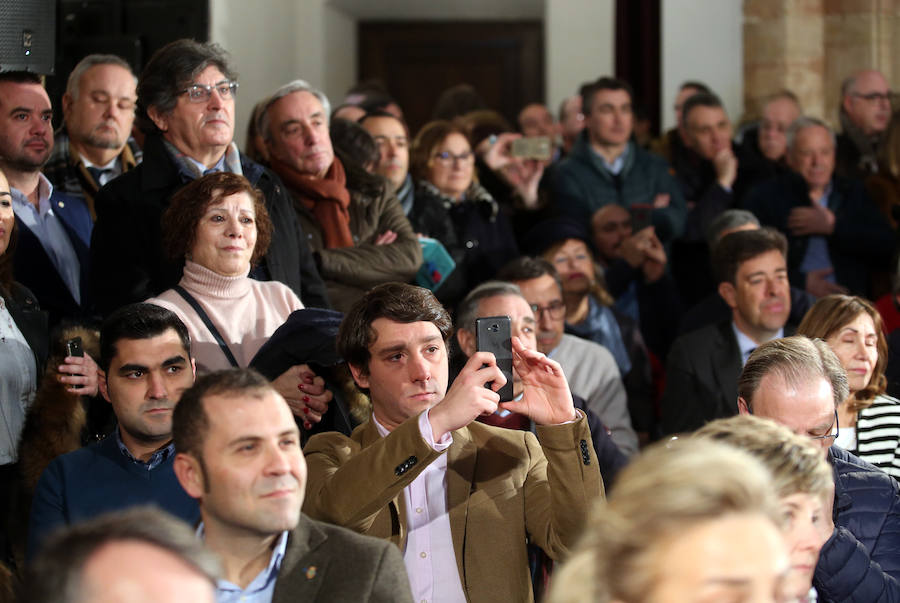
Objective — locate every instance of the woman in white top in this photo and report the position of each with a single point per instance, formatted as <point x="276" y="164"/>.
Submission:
<point x="869" y="420"/>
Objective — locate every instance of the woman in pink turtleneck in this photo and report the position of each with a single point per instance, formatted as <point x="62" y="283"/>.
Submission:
<point x="220" y="226"/>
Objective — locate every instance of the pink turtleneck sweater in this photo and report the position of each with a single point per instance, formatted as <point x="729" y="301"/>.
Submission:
<point x="245" y="311"/>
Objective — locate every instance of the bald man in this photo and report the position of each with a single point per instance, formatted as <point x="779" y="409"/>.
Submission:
<point x="865" y="113"/>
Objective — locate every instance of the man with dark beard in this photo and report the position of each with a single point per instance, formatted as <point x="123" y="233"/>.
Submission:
<point x="54" y="229"/>
<point x="95" y="145"/>
<point x="146" y="364"/>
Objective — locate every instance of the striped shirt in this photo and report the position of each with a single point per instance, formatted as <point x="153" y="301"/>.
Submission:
<point x="878" y="434"/>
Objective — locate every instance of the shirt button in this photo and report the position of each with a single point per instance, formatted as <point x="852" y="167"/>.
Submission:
<point x="418" y="509"/>
<point x="423" y="554"/>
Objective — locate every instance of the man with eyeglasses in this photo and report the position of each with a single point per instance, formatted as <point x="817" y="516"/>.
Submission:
<point x="589" y="367"/>
<point x="865" y="114"/>
<point x="799" y="383"/>
<point x="357" y="229"/>
<point x="186" y="105"/>
<point x="95" y="144"/>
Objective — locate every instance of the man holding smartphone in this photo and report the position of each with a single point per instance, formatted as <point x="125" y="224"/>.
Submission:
<point x="461" y="499"/>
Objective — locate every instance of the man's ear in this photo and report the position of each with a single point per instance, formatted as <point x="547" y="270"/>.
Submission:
<point x="189" y="474"/>
<point x="361" y="377"/>
<point x="727" y="292"/>
<point x="743" y="407"/>
<point x="161" y="120"/>
<point x="103" y="385"/>
<point x="466" y="340"/>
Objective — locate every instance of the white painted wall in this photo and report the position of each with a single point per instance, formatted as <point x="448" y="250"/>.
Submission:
<point x="579" y="41"/>
<point x="703" y="40"/>
<point x="275" y="41"/>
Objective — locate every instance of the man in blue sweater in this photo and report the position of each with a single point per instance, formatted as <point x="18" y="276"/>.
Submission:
<point x="146" y="364"/>
<point x="800" y="383"/>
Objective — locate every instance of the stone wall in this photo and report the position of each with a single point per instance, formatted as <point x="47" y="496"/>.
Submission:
<point x="810" y="46"/>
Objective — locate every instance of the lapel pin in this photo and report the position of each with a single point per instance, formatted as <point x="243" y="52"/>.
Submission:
<point x="310" y="572"/>
<point x="60" y="203"/>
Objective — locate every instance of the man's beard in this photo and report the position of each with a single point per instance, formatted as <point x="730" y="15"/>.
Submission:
<point x="22" y="163"/>
<point x="100" y="141"/>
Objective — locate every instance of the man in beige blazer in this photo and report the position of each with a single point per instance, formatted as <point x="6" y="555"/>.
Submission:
<point x="461" y="499"/>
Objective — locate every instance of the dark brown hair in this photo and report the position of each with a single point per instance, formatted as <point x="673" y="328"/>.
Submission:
<point x="832" y="313"/>
<point x="427" y="140"/>
<point x="735" y="248"/>
<point x="398" y="302"/>
<point x="179" y="222"/>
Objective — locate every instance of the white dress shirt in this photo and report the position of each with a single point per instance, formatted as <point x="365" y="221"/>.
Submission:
<point x="429" y="556"/>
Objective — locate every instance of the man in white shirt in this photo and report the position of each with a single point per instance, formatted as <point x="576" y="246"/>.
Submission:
<point x="460" y="498"/>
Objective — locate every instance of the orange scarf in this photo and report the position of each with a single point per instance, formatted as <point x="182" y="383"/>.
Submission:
<point x="327" y="198"/>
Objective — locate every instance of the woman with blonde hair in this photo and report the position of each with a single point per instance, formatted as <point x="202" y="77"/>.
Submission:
<point x="802" y="480"/>
<point x="869" y="420"/>
<point x="693" y="520"/>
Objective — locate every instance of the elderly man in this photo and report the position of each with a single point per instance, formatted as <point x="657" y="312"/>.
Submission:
<point x="392" y="137"/>
<point x="590" y="368"/>
<point x="106" y="560"/>
<point x="800" y="383"/>
<point x="357" y="230"/>
<point x="54" y="229"/>
<point x="186" y="97"/>
<point x="460" y="498"/>
<point x="239" y="456"/>
<point x="95" y="145"/>
<point x="763" y="149"/>
<point x="605" y="166"/>
<point x="835" y="233"/>
<point x="865" y="114"/>
<point x="703" y="366"/>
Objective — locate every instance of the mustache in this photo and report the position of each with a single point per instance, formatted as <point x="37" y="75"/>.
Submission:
<point x="38" y="138"/>
<point x="217" y="116"/>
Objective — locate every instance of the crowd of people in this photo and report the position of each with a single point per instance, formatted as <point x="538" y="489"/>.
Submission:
<point x="254" y="369"/>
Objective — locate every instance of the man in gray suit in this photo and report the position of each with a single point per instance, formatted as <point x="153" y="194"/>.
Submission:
<point x="238" y="453"/>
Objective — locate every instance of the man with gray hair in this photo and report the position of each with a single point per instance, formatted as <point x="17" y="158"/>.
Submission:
<point x="358" y="232"/>
<point x="186" y="102"/>
<point x="95" y="144"/>
<point x="865" y="114"/>
<point x="826" y="218"/>
<point x="799" y="383"/>
<point x="109" y="559"/>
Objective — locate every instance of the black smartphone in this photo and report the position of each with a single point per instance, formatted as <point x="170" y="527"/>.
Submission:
<point x="73" y="347"/>
<point x="641" y="216"/>
<point x="492" y="334"/>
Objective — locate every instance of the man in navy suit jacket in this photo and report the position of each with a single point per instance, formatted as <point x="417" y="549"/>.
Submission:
<point x="54" y="230"/>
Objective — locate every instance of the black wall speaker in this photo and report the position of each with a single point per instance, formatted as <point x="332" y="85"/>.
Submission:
<point x="27" y="35"/>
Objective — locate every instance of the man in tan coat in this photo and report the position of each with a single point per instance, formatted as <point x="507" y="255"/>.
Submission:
<point x="460" y="498"/>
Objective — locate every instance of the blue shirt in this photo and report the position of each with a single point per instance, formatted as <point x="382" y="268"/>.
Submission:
<point x="261" y="589"/>
<point x="617" y="164"/>
<point x="49" y="230"/>
<point x="747" y="345"/>
<point x="817" y="256"/>
<point x="156" y="459"/>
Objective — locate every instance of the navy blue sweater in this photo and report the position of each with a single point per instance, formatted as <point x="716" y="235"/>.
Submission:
<point x="99" y="478"/>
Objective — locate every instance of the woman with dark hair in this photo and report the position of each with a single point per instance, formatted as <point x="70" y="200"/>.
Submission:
<point x="452" y="207"/>
<point x="869" y="420"/>
<point x="219" y="225"/>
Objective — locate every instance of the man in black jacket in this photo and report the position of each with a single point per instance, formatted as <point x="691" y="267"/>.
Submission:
<point x="799" y="383"/>
<point x="186" y="107"/>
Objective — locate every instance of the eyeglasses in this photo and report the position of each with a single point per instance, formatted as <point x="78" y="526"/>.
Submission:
<point x="875" y="96"/>
<point x="198" y="93"/>
<point x="829" y="436"/>
<point x="447" y="158"/>
<point x="555" y="308"/>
